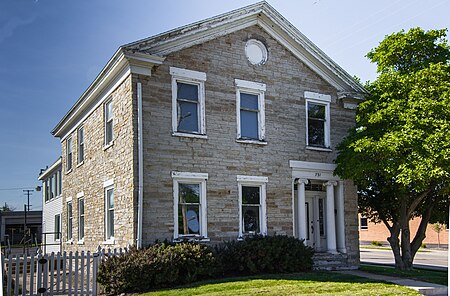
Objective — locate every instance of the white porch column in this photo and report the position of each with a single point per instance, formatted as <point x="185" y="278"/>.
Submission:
<point x="340" y="222"/>
<point x="331" y="225"/>
<point x="301" y="208"/>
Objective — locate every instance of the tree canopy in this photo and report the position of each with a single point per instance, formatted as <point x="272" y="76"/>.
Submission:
<point x="399" y="151"/>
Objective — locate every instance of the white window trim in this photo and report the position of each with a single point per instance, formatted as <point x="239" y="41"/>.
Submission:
<point x="57" y="230"/>
<point x="254" y="88"/>
<point x="256" y="181"/>
<point x="78" y="146"/>
<point x="110" y="185"/>
<point x="80" y="196"/>
<point x="109" y="144"/>
<point x="194" y="178"/>
<point x="68" y="170"/>
<point x="189" y="77"/>
<point x="327" y="123"/>
<point x="69" y="240"/>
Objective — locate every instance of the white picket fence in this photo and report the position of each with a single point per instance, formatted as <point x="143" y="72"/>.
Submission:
<point x="67" y="273"/>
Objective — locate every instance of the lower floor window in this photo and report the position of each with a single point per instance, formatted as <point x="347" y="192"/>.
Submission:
<point x="189" y="191"/>
<point x="252" y="205"/>
<point x="57" y="230"/>
<point x="80" y="218"/>
<point x="69" y="220"/>
<point x="109" y="212"/>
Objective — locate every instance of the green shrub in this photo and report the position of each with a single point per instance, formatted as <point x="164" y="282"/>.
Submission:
<point x="161" y="265"/>
<point x="423" y="246"/>
<point x="376" y="243"/>
<point x="269" y="254"/>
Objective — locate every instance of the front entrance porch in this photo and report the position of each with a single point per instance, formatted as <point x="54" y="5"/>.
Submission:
<point x="318" y="201"/>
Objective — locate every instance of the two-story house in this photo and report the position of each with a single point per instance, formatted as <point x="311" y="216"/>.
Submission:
<point x="213" y="131"/>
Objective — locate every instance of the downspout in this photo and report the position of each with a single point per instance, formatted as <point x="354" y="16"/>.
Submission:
<point x="140" y="167"/>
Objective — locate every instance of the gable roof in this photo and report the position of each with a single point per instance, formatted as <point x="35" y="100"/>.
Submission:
<point x="140" y="56"/>
<point x="270" y="20"/>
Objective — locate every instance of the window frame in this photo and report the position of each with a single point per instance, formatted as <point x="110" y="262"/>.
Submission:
<point x="81" y="217"/>
<point x="80" y="146"/>
<point x="57" y="228"/>
<point x="361" y="227"/>
<point x="107" y="210"/>
<point x="69" y="155"/>
<point x="323" y="100"/>
<point x="107" y="121"/>
<point x="69" y="220"/>
<point x="193" y="78"/>
<point x="190" y="178"/>
<point x="252" y="88"/>
<point x="253" y="181"/>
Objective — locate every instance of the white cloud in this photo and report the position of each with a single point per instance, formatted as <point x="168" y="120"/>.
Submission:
<point x="7" y="30"/>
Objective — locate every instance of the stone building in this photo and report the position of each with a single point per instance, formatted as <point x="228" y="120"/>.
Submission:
<point x="213" y="131"/>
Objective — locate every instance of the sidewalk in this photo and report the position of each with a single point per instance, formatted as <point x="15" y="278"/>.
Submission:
<point x="422" y="287"/>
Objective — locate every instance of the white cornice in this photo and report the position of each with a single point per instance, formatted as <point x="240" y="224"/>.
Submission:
<point x="122" y="61"/>
<point x="265" y="16"/>
<point x="50" y="170"/>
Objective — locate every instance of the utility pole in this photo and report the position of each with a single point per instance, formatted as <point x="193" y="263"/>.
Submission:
<point x="27" y="209"/>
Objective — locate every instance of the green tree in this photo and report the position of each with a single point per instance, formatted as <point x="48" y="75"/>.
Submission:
<point x="398" y="154"/>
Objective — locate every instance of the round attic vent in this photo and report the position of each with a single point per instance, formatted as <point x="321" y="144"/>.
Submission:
<point x="256" y="52"/>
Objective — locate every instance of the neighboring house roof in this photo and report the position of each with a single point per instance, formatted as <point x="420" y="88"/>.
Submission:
<point x="150" y="51"/>
<point x="47" y="172"/>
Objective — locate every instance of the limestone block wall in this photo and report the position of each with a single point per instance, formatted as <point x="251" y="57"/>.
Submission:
<point x="116" y="162"/>
<point x="286" y="78"/>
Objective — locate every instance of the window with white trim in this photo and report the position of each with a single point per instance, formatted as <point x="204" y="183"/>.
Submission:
<point x="109" y="117"/>
<point x="250" y="110"/>
<point x="109" y="213"/>
<point x="69" y="220"/>
<point x="188" y="102"/>
<point x="80" y="144"/>
<point x="69" y="154"/>
<point x="317" y="120"/>
<point x="189" y="195"/>
<point x="252" y="205"/>
<point x="80" y="218"/>
<point x="363" y="225"/>
<point x="57" y="229"/>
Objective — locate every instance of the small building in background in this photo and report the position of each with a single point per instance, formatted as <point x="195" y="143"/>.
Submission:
<point x="51" y="207"/>
<point x="370" y="232"/>
<point x="12" y="227"/>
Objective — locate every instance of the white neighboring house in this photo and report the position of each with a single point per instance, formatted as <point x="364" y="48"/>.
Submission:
<point x="51" y="207"/>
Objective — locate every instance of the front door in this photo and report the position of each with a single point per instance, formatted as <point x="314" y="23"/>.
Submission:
<point x="315" y="220"/>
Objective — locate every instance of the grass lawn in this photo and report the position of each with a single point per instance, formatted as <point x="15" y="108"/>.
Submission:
<point x="425" y="275"/>
<point x="388" y="248"/>
<point x="312" y="283"/>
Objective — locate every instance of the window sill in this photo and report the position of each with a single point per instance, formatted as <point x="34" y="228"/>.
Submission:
<point x="187" y="135"/>
<point x="109" y="145"/>
<point x="80" y="242"/>
<point x="319" y="149"/>
<point x="69" y="242"/>
<point x="257" y="142"/>
<point x="80" y="164"/>
<point x="109" y="241"/>
<point x="68" y="172"/>
<point x="191" y="239"/>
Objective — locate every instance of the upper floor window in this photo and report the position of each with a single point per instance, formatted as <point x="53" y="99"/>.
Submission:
<point x="69" y="154"/>
<point x="252" y="205"/>
<point x="189" y="205"/>
<point x="317" y="120"/>
<point x="188" y="102"/>
<point x="80" y="140"/>
<point x="250" y="111"/>
<point x="109" y="116"/>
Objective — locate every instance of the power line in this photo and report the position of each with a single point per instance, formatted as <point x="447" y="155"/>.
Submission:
<point x="18" y="188"/>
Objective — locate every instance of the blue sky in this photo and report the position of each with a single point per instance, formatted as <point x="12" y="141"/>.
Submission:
<point x="51" y="50"/>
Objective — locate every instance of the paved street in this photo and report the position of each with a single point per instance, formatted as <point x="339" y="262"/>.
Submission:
<point x="427" y="258"/>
